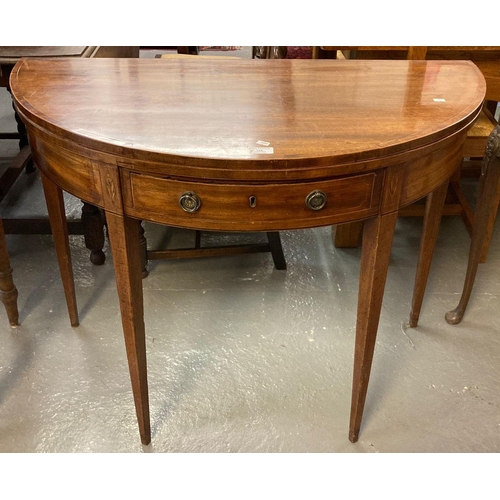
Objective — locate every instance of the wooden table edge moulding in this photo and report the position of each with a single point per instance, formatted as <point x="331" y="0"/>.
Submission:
<point x="247" y="145"/>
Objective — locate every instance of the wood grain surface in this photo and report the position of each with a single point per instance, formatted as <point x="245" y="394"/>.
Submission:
<point x="220" y="110"/>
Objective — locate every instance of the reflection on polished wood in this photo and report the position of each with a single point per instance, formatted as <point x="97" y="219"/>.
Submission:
<point x="249" y="145"/>
<point x="487" y="59"/>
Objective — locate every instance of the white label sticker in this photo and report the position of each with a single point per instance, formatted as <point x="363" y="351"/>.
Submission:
<point x="261" y="151"/>
<point x="439" y="100"/>
<point x="263" y="143"/>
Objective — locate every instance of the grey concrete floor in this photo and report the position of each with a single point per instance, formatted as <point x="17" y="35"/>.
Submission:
<point x="242" y="357"/>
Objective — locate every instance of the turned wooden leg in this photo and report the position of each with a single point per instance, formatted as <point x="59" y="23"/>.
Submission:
<point x="93" y="232"/>
<point x="144" y="251"/>
<point x="486" y="204"/>
<point x="57" y="216"/>
<point x="432" y="219"/>
<point x="8" y="292"/>
<point x="348" y="235"/>
<point x="125" y="247"/>
<point x="276" y="250"/>
<point x="21" y="129"/>
<point x="378" y="234"/>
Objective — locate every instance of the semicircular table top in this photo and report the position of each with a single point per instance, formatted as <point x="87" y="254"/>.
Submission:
<point x="249" y="110"/>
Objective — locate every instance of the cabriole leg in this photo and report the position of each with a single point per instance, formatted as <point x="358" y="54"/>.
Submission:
<point x="489" y="185"/>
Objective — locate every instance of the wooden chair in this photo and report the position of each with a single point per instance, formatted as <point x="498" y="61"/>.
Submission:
<point x="8" y="292"/>
<point x="488" y="61"/>
<point x="267" y="52"/>
<point x="487" y="204"/>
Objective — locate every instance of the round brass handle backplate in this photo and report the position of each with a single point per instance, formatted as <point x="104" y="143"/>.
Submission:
<point x="189" y="201"/>
<point x="316" y="200"/>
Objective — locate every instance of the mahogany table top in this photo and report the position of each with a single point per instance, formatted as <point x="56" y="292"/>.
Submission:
<point x="268" y="114"/>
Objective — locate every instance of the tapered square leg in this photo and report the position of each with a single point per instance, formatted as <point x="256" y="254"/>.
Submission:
<point x="378" y="234"/>
<point x="124" y="236"/>
<point x="57" y="216"/>
<point x="432" y="220"/>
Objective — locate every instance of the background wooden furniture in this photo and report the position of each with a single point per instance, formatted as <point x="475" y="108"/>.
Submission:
<point x="188" y="50"/>
<point x="486" y="207"/>
<point x="8" y="292"/>
<point x="488" y="60"/>
<point x="268" y="52"/>
<point x="92" y="222"/>
<point x="180" y="50"/>
<point x="227" y="181"/>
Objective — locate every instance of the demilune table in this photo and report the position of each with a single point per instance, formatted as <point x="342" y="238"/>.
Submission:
<point x="247" y="145"/>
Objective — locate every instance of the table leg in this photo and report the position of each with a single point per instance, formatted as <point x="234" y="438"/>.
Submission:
<point x="57" y="216"/>
<point x="432" y="219"/>
<point x="375" y="255"/>
<point x="125" y="247"/>
<point x="489" y="184"/>
<point x="8" y="292"/>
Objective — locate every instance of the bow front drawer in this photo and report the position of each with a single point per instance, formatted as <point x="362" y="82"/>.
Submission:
<point x="259" y="207"/>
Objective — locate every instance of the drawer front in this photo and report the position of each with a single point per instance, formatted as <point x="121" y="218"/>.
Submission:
<point x="250" y="207"/>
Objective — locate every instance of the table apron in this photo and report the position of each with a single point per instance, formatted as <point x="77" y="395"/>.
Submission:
<point x="228" y="205"/>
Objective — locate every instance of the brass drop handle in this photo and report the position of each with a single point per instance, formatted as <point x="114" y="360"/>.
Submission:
<point x="316" y="200"/>
<point x="189" y="201"/>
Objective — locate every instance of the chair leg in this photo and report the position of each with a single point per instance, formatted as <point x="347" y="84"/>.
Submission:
<point x="143" y="242"/>
<point x="8" y="292"/>
<point x="492" y="215"/>
<point x="93" y="232"/>
<point x="23" y="137"/>
<point x="276" y="250"/>
<point x="486" y="206"/>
